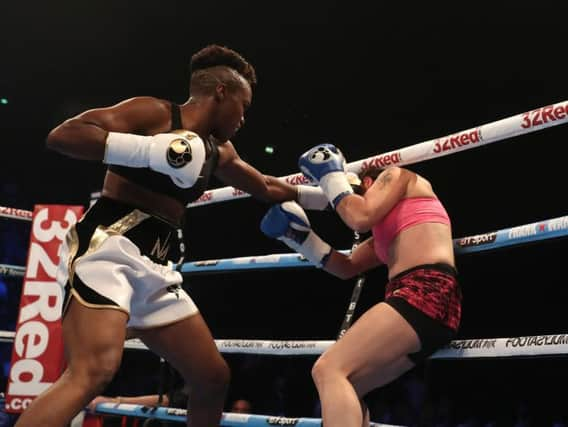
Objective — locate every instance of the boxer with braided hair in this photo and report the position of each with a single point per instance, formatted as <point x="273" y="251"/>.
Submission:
<point x="116" y="263"/>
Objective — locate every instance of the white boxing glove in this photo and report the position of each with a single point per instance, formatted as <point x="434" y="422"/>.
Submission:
<point x="312" y="198"/>
<point x="179" y="154"/>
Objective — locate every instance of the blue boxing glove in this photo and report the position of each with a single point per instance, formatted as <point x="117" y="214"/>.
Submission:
<point x="325" y="165"/>
<point x="288" y="222"/>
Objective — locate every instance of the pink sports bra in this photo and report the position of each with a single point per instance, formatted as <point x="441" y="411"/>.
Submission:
<point x="406" y="213"/>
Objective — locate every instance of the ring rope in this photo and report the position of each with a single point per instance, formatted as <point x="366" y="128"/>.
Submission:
<point x="531" y="345"/>
<point x="528" y="233"/>
<point x="15" y="213"/>
<point x="513" y="236"/>
<point x="539" y="345"/>
<point x="228" y="419"/>
<point x="12" y="270"/>
<point x="520" y="124"/>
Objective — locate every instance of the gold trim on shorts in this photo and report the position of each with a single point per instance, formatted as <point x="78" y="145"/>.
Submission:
<point x="96" y="306"/>
<point x="124" y="224"/>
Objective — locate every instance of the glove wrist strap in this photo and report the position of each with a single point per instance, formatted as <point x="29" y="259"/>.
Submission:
<point x="127" y="149"/>
<point x="312" y="198"/>
<point x="335" y="186"/>
<point x="314" y="249"/>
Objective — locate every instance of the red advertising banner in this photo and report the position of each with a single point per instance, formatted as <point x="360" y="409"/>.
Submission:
<point x="37" y="354"/>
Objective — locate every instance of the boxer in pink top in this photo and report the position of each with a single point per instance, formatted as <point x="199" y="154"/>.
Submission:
<point x="412" y="237"/>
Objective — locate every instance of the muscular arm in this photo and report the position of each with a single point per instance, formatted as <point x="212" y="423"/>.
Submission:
<point x="83" y="136"/>
<point x="360" y="213"/>
<point x="234" y="171"/>
<point x="362" y="258"/>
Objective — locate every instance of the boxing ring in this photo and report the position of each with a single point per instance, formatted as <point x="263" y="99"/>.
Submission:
<point x="515" y="235"/>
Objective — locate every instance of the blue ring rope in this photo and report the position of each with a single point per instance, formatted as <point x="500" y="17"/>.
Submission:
<point x="520" y="235"/>
<point x="514" y="236"/>
<point x="229" y="419"/>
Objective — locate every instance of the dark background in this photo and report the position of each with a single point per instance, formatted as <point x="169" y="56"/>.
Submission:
<point x="366" y="77"/>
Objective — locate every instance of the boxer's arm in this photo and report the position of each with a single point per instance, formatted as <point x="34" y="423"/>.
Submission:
<point x="234" y="171"/>
<point x="362" y="258"/>
<point x="360" y="213"/>
<point x="84" y="136"/>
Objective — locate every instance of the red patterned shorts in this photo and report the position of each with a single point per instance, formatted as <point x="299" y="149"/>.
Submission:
<point x="432" y="289"/>
<point x="429" y="298"/>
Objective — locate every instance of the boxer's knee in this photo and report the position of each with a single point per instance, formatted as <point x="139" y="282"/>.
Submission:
<point x="95" y="371"/>
<point x="213" y="380"/>
<point x="326" y="370"/>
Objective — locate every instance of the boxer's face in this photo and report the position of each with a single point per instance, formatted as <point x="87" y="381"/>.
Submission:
<point x="231" y="110"/>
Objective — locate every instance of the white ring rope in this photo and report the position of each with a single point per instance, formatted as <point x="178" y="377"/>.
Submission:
<point x="520" y="124"/>
<point x="534" y="345"/>
<point x="14" y="213"/>
<point x="539" y="345"/>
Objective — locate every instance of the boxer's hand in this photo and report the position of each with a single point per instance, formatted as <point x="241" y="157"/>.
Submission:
<point x="179" y="154"/>
<point x="288" y="222"/>
<point x="325" y="165"/>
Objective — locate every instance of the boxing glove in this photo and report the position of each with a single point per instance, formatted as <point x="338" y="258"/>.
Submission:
<point x="312" y="198"/>
<point x="179" y="154"/>
<point x="288" y="223"/>
<point x="325" y="165"/>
